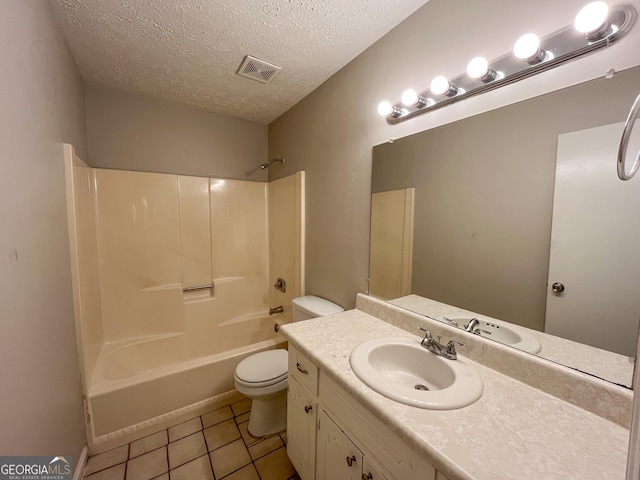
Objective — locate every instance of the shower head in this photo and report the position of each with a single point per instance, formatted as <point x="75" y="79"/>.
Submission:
<point x="268" y="164"/>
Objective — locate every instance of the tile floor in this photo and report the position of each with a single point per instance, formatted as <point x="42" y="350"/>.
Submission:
<point x="213" y="446"/>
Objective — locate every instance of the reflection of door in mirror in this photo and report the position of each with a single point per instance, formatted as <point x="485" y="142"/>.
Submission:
<point x="594" y="237"/>
<point x="391" y="243"/>
<point x="484" y="196"/>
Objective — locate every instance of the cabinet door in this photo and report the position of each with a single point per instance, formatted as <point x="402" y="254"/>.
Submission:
<point x="301" y="430"/>
<point x="338" y="457"/>
<point x="370" y="471"/>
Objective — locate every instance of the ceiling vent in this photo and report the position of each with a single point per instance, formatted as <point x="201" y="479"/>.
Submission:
<point x="258" y="70"/>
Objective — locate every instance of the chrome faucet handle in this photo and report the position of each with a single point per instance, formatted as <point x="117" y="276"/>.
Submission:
<point x="428" y="338"/>
<point x="427" y="333"/>
<point x="450" y="349"/>
<point x="450" y="321"/>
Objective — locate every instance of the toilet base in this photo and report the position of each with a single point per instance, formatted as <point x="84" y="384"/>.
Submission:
<point x="268" y="416"/>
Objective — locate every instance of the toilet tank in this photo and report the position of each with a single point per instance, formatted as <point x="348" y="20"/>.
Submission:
<point x="311" y="306"/>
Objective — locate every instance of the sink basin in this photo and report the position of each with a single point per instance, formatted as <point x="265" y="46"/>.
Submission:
<point x="401" y="369"/>
<point x="503" y="332"/>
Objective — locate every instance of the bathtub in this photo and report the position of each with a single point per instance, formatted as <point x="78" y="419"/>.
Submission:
<point x="140" y="383"/>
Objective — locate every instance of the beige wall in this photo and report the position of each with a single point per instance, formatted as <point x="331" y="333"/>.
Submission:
<point x="129" y="131"/>
<point x="331" y="132"/>
<point x="42" y="102"/>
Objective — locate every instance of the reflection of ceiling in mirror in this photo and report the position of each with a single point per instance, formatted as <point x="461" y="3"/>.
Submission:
<point x="484" y="190"/>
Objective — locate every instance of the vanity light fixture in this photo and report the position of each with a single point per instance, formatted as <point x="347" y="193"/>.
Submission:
<point x="440" y="85"/>
<point x="387" y="110"/>
<point x="410" y="98"/>
<point x="479" y="68"/>
<point x="528" y="48"/>
<point x="592" y="20"/>
<point x="596" y="26"/>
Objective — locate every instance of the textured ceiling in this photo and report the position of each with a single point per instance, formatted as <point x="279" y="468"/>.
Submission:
<point x="189" y="50"/>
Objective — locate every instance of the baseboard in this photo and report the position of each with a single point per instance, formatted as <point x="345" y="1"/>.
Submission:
<point x="82" y="463"/>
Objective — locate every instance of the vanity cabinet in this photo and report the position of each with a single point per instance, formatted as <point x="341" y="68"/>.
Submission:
<point x="302" y="414"/>
<point x="338" y="457"/>
<point x="331" y="436"/>
<point x="301" y="429"/>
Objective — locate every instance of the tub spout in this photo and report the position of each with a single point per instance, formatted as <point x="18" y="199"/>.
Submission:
<point x="276" y="310"/>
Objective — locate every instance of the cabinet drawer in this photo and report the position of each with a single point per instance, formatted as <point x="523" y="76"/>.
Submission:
<point x="303" y="370"/>
<point x="395" y="459"/>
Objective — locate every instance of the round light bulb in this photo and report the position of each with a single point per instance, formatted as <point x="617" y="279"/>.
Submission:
<point x="527" y="46"/>
<point x="409" y="97"/>
<point x="592" y="17"/>
<point x="478" y="67"/>
<point x="439" y="85"/>
<point x="385" y="108"/>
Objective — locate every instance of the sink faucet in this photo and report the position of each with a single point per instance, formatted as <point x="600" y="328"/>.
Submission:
<point x="473" y="323"/>
<point x="447" y="351"/>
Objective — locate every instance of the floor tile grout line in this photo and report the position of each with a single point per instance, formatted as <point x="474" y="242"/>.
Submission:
<point x="239" y="468"/>
<point x="102" y="469"/>
<point x="262" y="456"/>
<point x="192" y="460"/>
<point x="126" y="464"/>
<point x="144" y="453"/>
<point x="246" y="446"/>
<point x="187" y="421"/>
<point x="167" y="452"/>
<point x="257" y="471"/>
<point x="206" y="446"/>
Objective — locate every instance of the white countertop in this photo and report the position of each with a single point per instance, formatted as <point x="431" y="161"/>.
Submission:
<point x="610" y="366"/>
<point x="513" y="431"/>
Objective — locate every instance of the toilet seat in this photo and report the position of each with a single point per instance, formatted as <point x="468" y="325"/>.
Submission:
<point x="263" y="369"/>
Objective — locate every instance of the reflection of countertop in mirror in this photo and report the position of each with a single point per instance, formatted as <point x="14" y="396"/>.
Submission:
<point x="610" y="366"/>
<point x="514" y="431"/>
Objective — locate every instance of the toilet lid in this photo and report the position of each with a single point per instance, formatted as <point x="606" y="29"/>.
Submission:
<point x="269" y="366"/>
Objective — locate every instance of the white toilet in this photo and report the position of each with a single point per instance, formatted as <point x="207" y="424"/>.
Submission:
<point x="262" y="377"/>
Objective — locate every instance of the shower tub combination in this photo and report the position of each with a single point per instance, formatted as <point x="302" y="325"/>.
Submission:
<point x="173" y="281"/>
<point x="145" y="383"/>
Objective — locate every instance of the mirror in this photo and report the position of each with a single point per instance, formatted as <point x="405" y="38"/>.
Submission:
<point x="482" y="204"/>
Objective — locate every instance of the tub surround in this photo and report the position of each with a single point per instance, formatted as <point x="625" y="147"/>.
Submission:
<point x="612" y="366"/>
<point x="514" y="431"/>
<point x="172" y="281"/>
